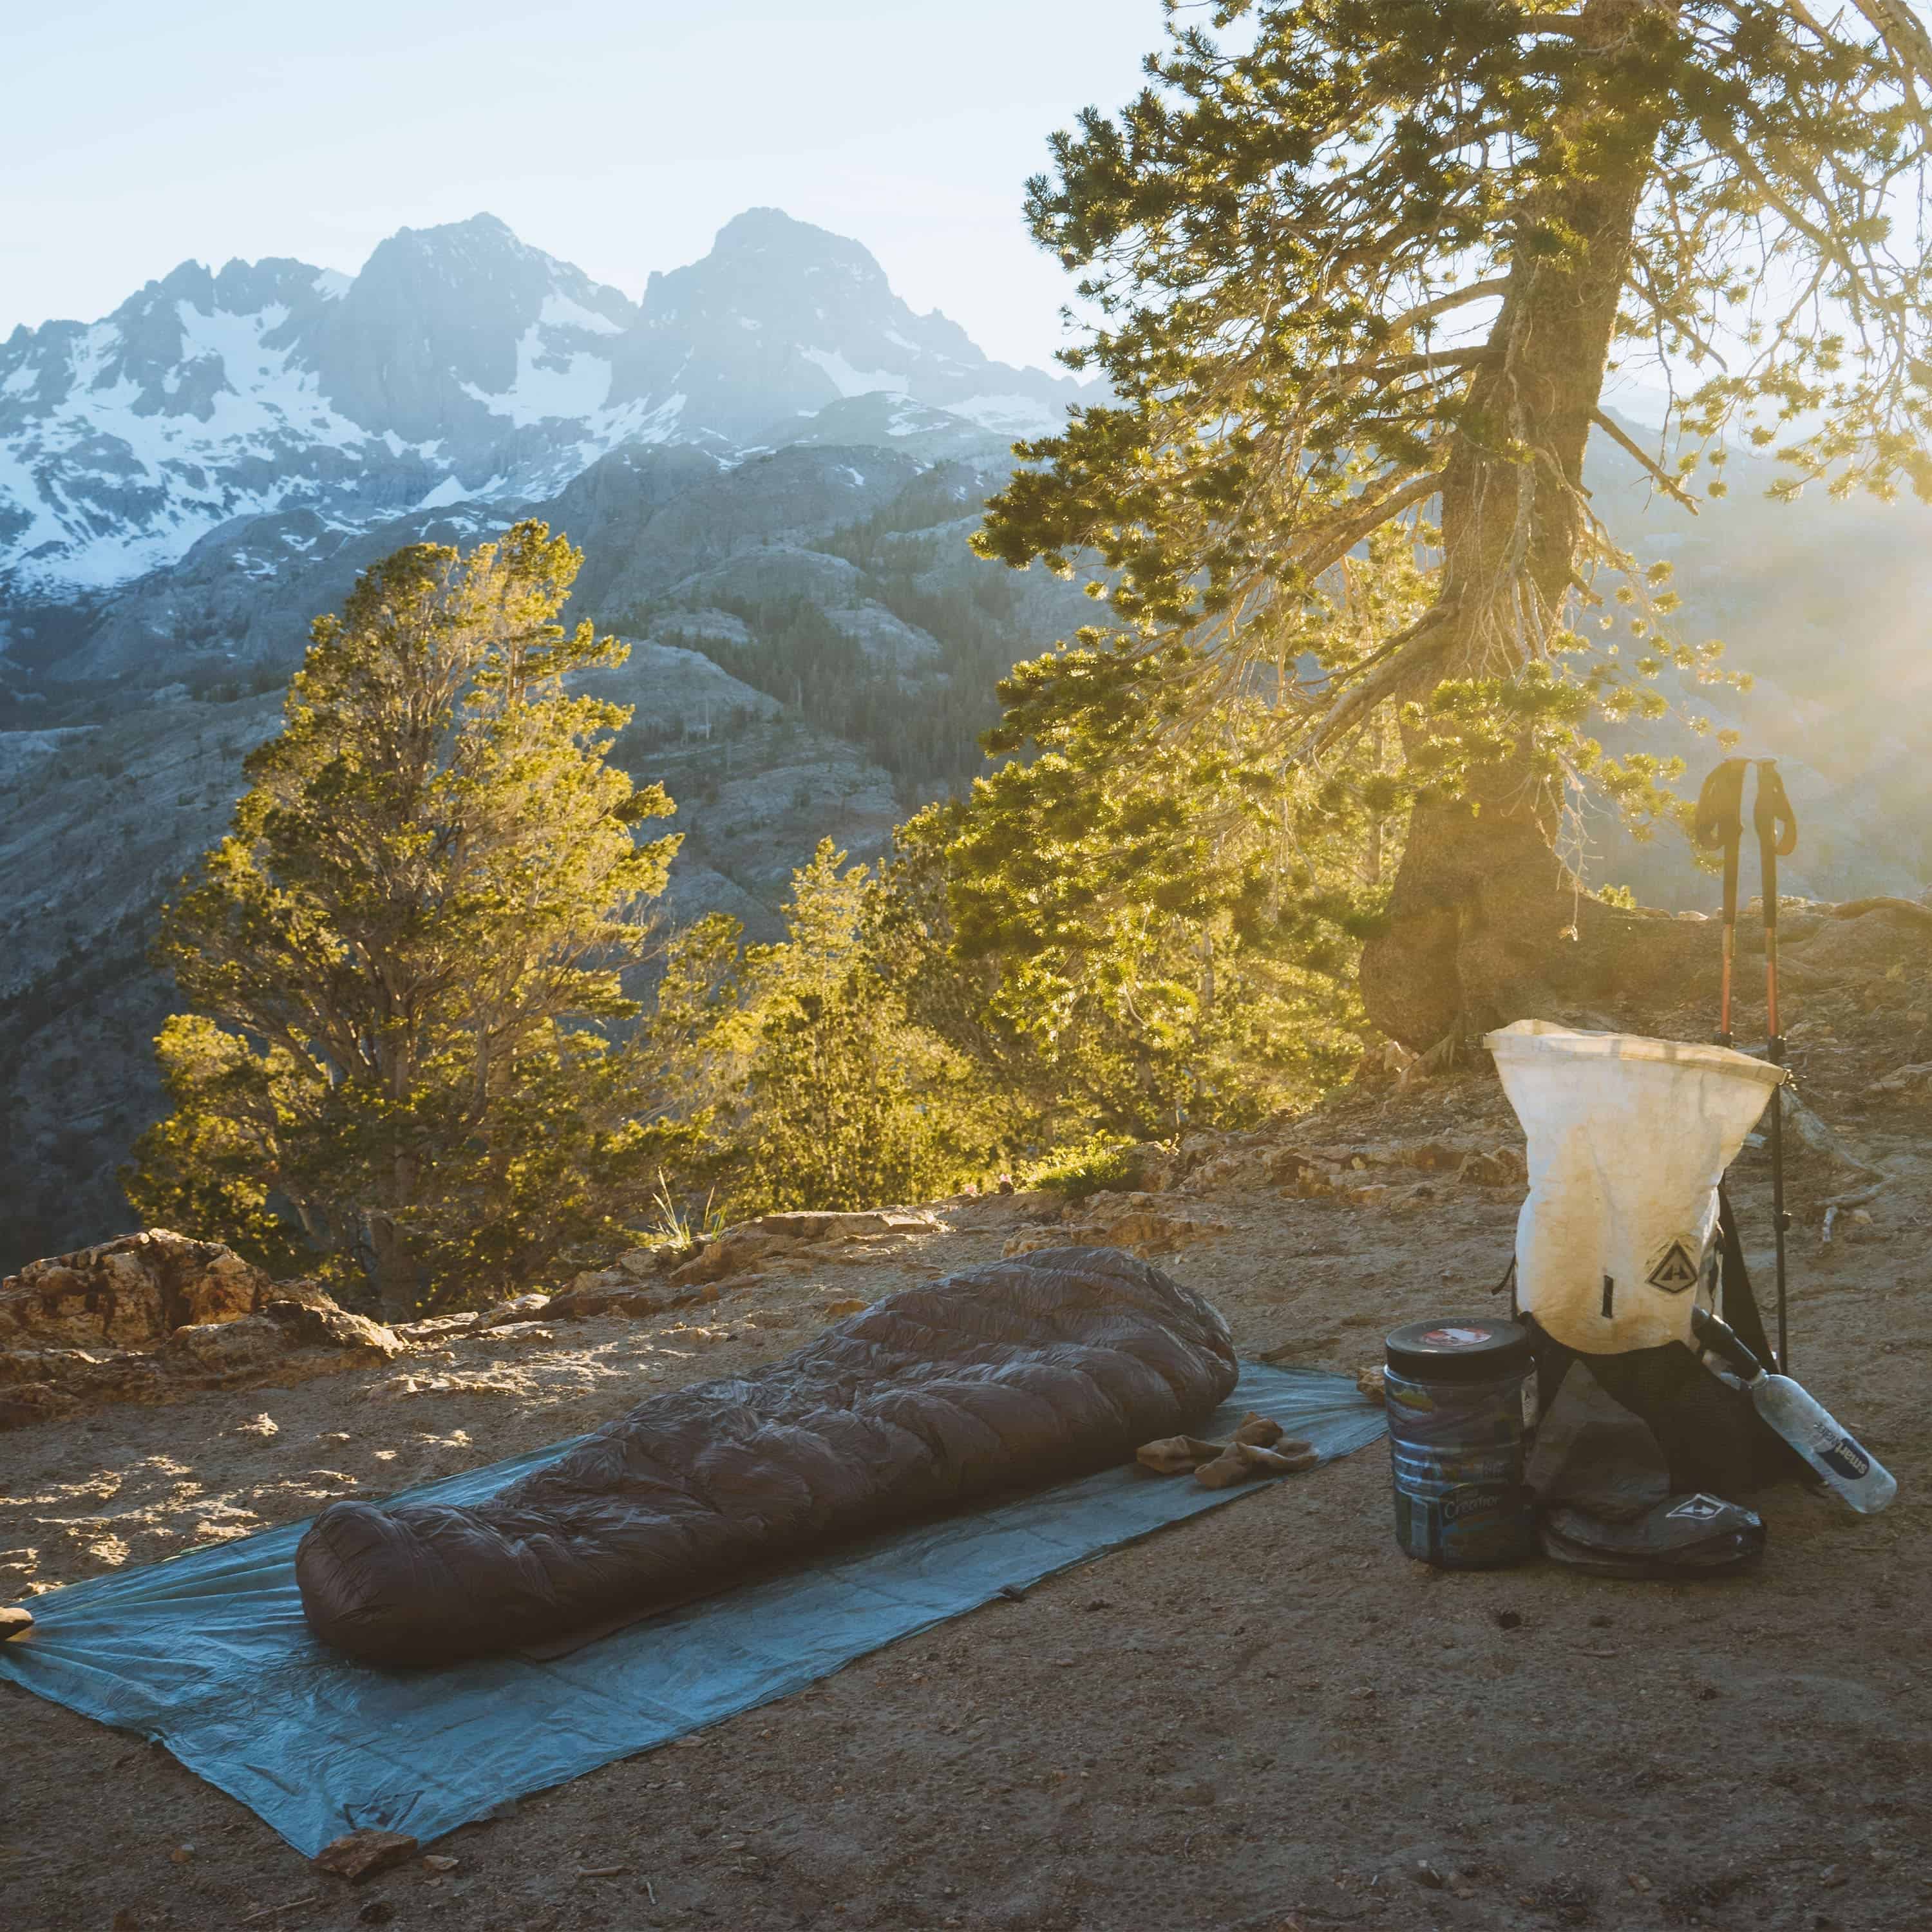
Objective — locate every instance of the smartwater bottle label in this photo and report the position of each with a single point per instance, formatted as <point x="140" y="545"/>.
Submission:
<point x="1846" y="1459"/>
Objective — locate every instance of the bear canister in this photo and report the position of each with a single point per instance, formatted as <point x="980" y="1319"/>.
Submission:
<point x="1461" y="1399"/>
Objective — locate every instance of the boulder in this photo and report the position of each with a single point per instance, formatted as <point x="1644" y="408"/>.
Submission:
<point x="728" y="1254"/>
<point x="284" y="1328"/>
<point x="646" y="1264"/>
<point x="131" y="1293"/>
<point x="227" y="1348"/>
<point x="609" y="1293"/>
<point x="309" y="1324"/>
<point x="291" y="1330"/>
<point x="1852" y="950"/>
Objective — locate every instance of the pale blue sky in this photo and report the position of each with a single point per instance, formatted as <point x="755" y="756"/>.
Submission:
<point x="620" y="137"/>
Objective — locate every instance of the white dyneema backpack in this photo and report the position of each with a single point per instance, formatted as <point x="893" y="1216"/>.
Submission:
<point x="1629" y="1139"/>
<point x="1625" y="1229"/>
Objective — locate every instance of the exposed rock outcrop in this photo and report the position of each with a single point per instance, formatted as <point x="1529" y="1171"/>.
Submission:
<point x="156" y="1316"/>
<point x="131" y="1293"/>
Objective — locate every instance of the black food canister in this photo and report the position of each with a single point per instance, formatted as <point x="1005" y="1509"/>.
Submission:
<point x="1460" y="1397"/>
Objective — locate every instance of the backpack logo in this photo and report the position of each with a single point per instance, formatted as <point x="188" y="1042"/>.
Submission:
<point x="1674" y="1270"/>
<point x="1698" y="1508"/>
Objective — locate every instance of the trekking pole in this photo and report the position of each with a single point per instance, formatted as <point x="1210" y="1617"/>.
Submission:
<point x="1776" y="828"/>
<point x="1720" y="822"/>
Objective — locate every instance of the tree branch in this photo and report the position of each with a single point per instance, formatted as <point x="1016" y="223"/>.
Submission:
<point x="1410" y="365"/>
<point x="1399" y="659"/>
<point x="1669" y="484"/>
<point x="1452" y="298"/>
<point x="1335" y="542"/>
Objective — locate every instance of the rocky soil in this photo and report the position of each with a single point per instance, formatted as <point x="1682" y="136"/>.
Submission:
<point x="1265" y="1720"/>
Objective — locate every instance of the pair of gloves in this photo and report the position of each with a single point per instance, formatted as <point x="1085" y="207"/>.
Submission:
<point x="1258" y="1448"/>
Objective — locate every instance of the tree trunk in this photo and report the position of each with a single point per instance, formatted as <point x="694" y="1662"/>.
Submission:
<point x="1486" y="923"/>
<point x="398" y="1279"/>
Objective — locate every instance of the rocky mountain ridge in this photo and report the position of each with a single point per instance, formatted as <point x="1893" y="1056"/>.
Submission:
<point x="461" y="363"/>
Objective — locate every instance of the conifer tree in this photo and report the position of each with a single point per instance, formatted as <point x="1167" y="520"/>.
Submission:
<point x="1357" y="262"/>
<point x="806" y="1081"/>
<point x="403" y="961"/>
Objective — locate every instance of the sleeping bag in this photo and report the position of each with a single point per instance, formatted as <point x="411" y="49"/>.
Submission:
<point x="1051" y="1365"/>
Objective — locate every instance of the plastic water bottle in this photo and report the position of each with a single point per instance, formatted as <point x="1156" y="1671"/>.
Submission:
<point x="1838" y="1455"/>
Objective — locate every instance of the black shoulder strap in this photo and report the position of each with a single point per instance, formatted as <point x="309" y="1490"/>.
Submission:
<point x="1739" y="1308"/>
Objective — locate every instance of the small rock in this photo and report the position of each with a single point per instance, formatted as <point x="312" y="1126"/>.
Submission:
<point x="377" y="1911"/>
<point x="356" y="1855"/>
<point x="1427" y="1874"/>
<point x="524" y="1308"/>
<point x="436" y="1327"/>
<point x="124" y="1920"/>
<point x="264" y="1425"/>
<point x="182" y="1855"/>
<point x="1501" y="1167"/>
<point x="440" y="1861"/>
<point x="621" y="1297"/>
<point x="15" y="1622"/>
<point x="1509" y="1620"/>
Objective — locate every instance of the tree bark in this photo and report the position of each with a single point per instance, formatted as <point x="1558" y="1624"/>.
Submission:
<point x="1486" y="923"/>
<point x="398" y="1278"/>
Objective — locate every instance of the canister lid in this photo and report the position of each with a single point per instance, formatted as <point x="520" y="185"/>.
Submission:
<point x="1459" y="1348"/>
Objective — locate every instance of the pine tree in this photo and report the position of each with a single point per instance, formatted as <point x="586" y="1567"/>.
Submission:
<point x="805" y="1078"/>
<point x="403" y="960"/>
<point x="1170" y="917"/>
<point x="1358" y="262"/>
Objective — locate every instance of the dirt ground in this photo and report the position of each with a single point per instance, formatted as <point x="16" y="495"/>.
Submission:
<point x="1264" y="1719"/>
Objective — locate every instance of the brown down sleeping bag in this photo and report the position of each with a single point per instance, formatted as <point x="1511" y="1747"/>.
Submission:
<point x="1051" y="1365"/>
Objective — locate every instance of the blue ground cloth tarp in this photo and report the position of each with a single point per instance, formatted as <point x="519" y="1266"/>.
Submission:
<point x="208" y="1652"/>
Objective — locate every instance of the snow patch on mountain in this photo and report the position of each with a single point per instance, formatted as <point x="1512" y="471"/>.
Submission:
<point x="851" y="382"/>
<point x="549" y="384"/>
<point x="449" y="491"/>
<point x="1010" y="415"/>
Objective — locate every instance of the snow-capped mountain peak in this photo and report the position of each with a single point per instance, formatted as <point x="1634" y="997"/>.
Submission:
<point x="460" y="362"/>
